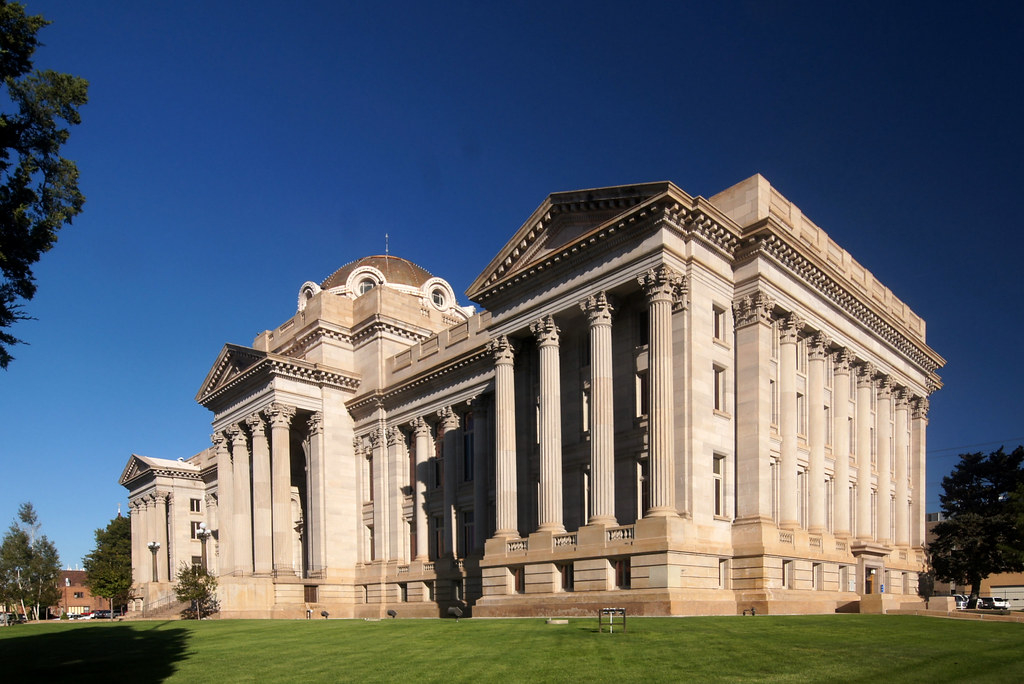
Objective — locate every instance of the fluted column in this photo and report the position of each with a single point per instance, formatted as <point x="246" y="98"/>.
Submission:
<point x="661" y="286"/>
<point x="262" y="506"/>
<point x="481" y="476"/>
<point x="316" y="505"/>
<point x="918" y="444"/>
<point x="241" y="526"/>
<point x="865" y="384"/>
<point x="841" y="440"/>
<point x="883" y="435"/>
<point x="816" y="430"/>
<point x="550" y="513"/>
<point x="378" y="484"/>
<point x="281" y="486"/>
<point x="602" y="415"/>
<point x="505" y="489"/>
<point x="397" y="465"/>
<point x="450" y="446"/>
<point x="902" y="537"/>
<point x="421" y="433"/>
<point x="140" y="537"/>
<point x="790" y="328"/>
<point x="225" y="505"/>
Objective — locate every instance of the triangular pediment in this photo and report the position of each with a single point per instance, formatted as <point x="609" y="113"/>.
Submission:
<point x="232" y="361"/>
<point x="136" y="466"/>
<point x="563" y="219"/>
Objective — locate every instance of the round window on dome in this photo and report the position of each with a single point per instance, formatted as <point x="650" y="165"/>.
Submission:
<point x="438" y="297"/>
<point x="366" y="285"/>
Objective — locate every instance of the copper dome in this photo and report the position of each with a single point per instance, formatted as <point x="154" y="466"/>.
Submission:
<point x="396" y="270"/>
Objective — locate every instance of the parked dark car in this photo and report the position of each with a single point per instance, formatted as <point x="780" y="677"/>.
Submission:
<point x="101" y="614"/>
<point x="980" y="603"/>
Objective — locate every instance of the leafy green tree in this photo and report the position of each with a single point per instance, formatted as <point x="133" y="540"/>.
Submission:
<point x="38" y="188"/>
<point x="29" y="565"/>
<point x="973" y="541"/>
<point x="198" y="587"/>
<point x="108" y="567"/>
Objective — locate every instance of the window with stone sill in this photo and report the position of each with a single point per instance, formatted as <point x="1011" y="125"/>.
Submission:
<point x="719" y="389"/>
<point x="787" y="574"/>
<point x="567" y="576"/>
<point x="718" y="475"/>
<point x="718" y="322"/>
<point x="623" y="573"/>
<point x="195" y="505"/>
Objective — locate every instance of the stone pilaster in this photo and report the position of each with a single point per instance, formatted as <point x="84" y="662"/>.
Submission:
<point x="379" y="462"/>
<point x="397" y="479"/>
<point x="817" y="351"/>
<point x="841" y="440"/>
<point x="790" y="329"/>
<point x="602" y="418"/>
<point x="241" y="525"/>
<point x="662" y="287"/>
<point x="550" y="504"/>
<point x="162" y="501"/>
<point x="225" y="505"/>
<point x="262" y="501"/>
<point x="505" y="489"/>
<point x="865" y="386"/>
<point x="315" y="516"/>
<point x="421" y="433"/>
<point x="918" y="445"/>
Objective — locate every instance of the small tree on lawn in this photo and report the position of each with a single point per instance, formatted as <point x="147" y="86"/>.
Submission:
<point x="108" y="567"/>
<point x="198" y="587"/>
<point x="29" y="565"/>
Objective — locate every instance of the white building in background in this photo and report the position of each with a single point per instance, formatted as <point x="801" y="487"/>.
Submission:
<point x="667" y="403"/>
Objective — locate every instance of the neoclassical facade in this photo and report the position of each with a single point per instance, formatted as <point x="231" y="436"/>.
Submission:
<point x="667" y="403"/>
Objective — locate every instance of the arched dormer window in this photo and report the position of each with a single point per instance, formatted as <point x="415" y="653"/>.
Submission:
<point x="366" y="284"/>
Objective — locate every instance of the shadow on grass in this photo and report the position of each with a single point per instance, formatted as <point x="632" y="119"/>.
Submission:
<point x="138" y="651"/>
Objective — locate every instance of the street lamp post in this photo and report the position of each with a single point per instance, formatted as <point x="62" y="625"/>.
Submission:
<point x="154" y="547"/>
<point x="203" y="535"/>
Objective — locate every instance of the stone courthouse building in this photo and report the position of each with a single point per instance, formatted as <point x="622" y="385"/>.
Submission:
<point x="660" y="402"/>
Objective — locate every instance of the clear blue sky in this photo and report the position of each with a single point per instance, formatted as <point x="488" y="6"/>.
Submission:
<point x="233" y="150"/>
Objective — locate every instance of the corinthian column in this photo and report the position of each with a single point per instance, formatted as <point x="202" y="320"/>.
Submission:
<point x="865" y="384"/>
<point x="883" y="434"/>
<point x="242" y="522"/>
<point x="790" y="329"/>
<point x="816" y="430"/>
<point x="661" y="285"/>
<point x="550" y="426"/>
<point x="602" y="417"/>
<point x="316" y="506"/>
<point x="917" y="459"/>
<point x="421" y="433"/>
<point x="262" y="512"/>
<point x="841" y="440"/>
<point x="281" y="488"/>
<point x="505" y="490"/>
<point x="902" y="454"/>
<point x="164" y="554"/>
<point x="225" y="505"/>
<point x="450" y="428"/>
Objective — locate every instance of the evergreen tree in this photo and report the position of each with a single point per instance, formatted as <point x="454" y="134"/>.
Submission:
<point x="38" y="188"/>
<point x="29" y="565"/>
<point x="975" y="539"/>
<point x="108" y="567"/>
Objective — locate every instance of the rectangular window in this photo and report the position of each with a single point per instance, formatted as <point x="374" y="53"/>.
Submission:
<point x="801" y="413"/>
<point x="787" y="574"/>
<point x="467" y="533"/>
<point x="457" y="592"/>
<point x="438" y="464"/>
<point x="430" y="590"/>
<point x="718" y="471"/>
<point x="519" y="580"/>
<point x="828" y="417"/>
<point x="194" y="505"/>
<point x="403" y="592"/>
<point x="723" y="573"/>
<point x="197" y="561"/>
<point x="641" y="394"/>
<point x="773" y="389"/>
<point x="643" y="331"/>
<point x="467" y="447"/>
<point x="310" y="593"/>
<point x="369" y="476"/>
<point x="622" y="573"/>
<point x="438" y="523"/>
<point x="817" y="576"/>
<point x="79" y="594"/>
<point x="585" y="407"/>
<point x="719" y="373"/>
<point x="195" y="528"/>
<point x="801" y="500"/>
<point x="718" y="322"/>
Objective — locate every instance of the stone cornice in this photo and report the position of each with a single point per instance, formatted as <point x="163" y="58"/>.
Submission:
<point x="301" y="344"/>
<point x="774" y="247"/>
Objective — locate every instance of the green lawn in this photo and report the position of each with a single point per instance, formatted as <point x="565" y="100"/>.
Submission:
<point x="840" y="648"/>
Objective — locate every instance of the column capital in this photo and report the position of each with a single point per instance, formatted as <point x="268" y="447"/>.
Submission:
<point x="753" y="308"/>
<point x="818" y="347"/>
<point x="865" y="374"/>
<point x="315" y="423"/>
<point x="256" y="424"/>
<point x="280" y="415"/>
<point x="790" y="326"/>
<point x="376" y="438"/>
<point x="902" y="398"/>
<point x="884" y="386"/>
<point x="598" y="308"/>
<point x="662" y="283"/>
<point x="502" y="349"/>
<point x="449" y="419"/>
<point x="236" y="435"/>
<point x="420" y="427"/>
<point x="218" y="441"/>
<point x="394" y="436"/>
<point x="920" y="407"/>
<point x="546" y="331"/>
<point x="842" y="360"/>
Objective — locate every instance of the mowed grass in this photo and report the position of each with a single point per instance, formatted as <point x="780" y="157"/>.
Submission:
<point x="839" y="648"/>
